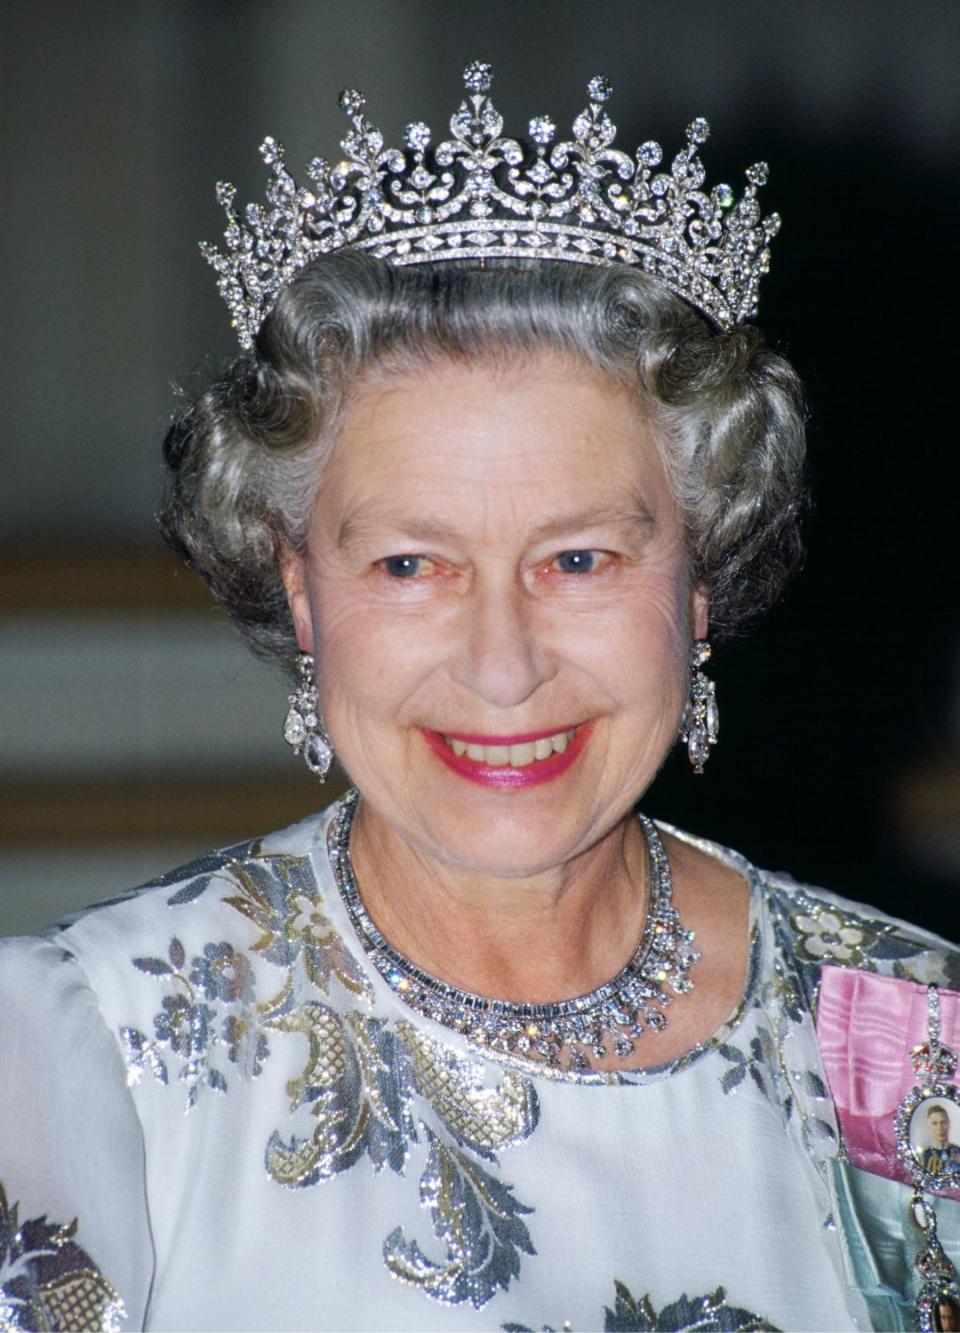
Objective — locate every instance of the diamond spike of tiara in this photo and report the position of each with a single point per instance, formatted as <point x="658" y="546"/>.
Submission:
<point x="480" y="194"/>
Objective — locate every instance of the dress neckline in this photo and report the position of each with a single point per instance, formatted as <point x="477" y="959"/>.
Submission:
<point x="442" y="1034"/>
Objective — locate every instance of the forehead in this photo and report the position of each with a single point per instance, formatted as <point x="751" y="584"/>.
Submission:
<point x="544" y="421"/>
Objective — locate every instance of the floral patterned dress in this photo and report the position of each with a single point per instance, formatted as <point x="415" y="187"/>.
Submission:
<point x="215" y="1114"/>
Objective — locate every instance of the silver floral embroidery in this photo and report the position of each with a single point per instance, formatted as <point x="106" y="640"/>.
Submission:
<point x="476" y="1217"/>
<point x="700" y="1314"/>
<point x="47" y="1281"/>
<point x="208" y="1011"/>
<point x="366" y="1088"/>
<point x="358" y="1092"/>
<point x="809" y="931"/>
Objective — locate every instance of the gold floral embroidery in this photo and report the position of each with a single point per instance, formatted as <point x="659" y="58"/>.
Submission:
<point x="827" y="935"/>
<point x="48" y="1281"/>
<point x="278" y="894"/>
<point x="366" y="1088"/>
<point x="357" y="1093"/>
<point x="485" y="1118"/>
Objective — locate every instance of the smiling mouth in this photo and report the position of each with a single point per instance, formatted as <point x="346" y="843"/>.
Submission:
<point x="518" y="754"/>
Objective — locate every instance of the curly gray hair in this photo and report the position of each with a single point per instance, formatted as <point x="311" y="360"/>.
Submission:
<point x="245" y="459"/>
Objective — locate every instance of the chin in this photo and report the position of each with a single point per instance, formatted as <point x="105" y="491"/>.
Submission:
<point x="516" y="832"/>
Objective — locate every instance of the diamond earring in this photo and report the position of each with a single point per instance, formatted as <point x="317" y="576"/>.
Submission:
<point x="701" y="719"/>
<point x="302" y="727"/>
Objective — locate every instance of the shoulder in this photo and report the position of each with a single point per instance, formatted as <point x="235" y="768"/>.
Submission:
<point x="818" y="927"/>
<point x="190" y="918"/>
<point x="811" y="927"/>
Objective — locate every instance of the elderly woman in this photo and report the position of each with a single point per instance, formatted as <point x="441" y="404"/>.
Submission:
<point x="481" y="1046"/>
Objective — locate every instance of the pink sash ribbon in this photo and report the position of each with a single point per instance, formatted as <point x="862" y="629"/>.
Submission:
<point x="867" y="1026"/>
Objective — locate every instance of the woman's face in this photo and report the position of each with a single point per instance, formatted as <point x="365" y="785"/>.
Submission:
<point x="495" y="561"/>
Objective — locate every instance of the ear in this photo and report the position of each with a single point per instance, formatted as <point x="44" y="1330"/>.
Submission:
<point x="294" y="575"/>
<point x="700" y="611"/>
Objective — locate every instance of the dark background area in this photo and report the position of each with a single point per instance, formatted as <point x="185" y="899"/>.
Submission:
<point x="840" y="748"/>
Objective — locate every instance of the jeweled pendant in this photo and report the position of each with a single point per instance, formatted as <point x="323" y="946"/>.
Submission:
<point x="294" y="728"/>
<point x="317" y="755"/>
<point x="926" y="1124"/>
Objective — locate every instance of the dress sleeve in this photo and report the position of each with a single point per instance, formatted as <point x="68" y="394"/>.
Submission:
<point x="75" y="1245"/>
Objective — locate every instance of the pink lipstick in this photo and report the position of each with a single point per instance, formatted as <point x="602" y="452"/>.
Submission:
<point x="502" y="776"/>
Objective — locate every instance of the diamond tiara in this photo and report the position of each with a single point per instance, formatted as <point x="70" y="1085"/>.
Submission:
<point x="480" y="195"/>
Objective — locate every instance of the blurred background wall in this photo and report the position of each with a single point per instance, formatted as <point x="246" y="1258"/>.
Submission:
<point x="135" y="732"/>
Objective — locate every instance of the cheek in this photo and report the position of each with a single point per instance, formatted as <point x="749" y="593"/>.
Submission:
<point x="637" y="643"/>
<point x="368" y="660"/>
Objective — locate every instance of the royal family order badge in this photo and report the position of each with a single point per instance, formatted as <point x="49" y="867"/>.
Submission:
<point x="928" y="1121"/>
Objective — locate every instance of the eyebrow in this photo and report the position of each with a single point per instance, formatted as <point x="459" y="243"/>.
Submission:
<point x="355" y="527"/>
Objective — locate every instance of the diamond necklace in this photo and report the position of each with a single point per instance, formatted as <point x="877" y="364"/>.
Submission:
<point x="561" y="1034"/>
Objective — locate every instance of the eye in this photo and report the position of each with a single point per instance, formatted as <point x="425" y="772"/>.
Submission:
<point x="404" y="566"/>
<point x="579" y="562"/>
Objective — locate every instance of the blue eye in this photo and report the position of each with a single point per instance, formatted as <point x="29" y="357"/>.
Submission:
<point x="403" y="566"/>
<point x="577" y="562"/>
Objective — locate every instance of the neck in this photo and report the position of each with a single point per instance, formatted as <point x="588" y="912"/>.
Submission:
<point x="533" y="938"/>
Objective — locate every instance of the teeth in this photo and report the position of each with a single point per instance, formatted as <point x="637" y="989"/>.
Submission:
<point x="517" y="756"/>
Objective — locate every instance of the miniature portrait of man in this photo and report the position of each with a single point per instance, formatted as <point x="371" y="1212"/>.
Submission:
<point x="946" y="1316"/>
<point x="938" y="1155"/>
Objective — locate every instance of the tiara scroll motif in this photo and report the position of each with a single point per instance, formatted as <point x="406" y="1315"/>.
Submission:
<point x="480" y="195"/>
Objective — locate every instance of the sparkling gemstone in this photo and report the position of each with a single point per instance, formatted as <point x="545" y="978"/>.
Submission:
<point x="599" y="1050"/>
<point x="542" y="130"/>
<point x="477" y="77"/>
<point x="623" y="1046"/>
<point x="352" y="102"/>
<point x="461" y="122"/>
<point x="578" y="1062"/>
<point x="697" y="747"/>
<point x="723" y="195"/>
<point x="226" y="193"/>
<point x="713" y="718"/>
<point x="758" y="174"/>
<point x="599" y="88"/>
<point x="317" y="754"/>
<point x="650" y="153"/>
<point x="698" y="131"/>
<point x="294" y="728"/>
<point x="417" y="136"/>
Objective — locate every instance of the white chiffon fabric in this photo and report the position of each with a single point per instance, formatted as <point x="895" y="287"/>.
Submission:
<point x="253" y="1132"/>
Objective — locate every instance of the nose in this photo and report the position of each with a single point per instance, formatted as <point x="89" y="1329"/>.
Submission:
<point x="502" y="656"/>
